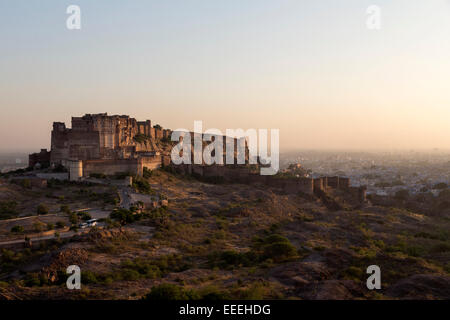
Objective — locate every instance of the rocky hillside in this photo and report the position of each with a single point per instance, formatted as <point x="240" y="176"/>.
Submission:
<point x="242" y="242"/>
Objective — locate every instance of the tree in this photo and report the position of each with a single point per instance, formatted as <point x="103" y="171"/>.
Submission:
<point x="124" y="216"/>
<point x="169" y="291"/>
<point x="60" y="225"/>
<point x="73" y="218"/>
<point x="279" y="251"/>
<point x="17" y="229"/>
<point x="84" y="216"/>
<point x="147" y="173"/>
<point x="8" y="209"/>
<point x="141" y="185"/>
<point x="37" y="227"/>
<point x="65" y="209"/>
<point x="42" y="209"/>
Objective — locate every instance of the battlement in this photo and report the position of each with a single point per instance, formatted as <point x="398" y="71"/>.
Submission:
<point x="103" y="137"/>
<point x="41" y="159"/>
<point x="291" y="185"/>
<point x="100" y="136"/>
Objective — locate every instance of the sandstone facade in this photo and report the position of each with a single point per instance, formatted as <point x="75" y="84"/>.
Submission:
<point x="104" y="144"/>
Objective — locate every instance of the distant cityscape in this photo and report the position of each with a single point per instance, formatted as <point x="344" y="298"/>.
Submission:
<point x="384" y="173"/>
<point x="10" y="161"/>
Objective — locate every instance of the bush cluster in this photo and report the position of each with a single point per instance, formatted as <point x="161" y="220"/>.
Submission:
<point x="273" y="247"/>
<point x="8" y="209"/>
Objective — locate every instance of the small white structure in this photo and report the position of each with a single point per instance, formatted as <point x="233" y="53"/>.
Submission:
<point x="75" y="169"/>
<point x="128" y="181"/>
<point x="91" y="223"/>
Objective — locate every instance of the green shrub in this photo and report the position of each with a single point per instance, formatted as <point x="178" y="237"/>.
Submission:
<point x="354" y="272"/>
<point x="273" y="248"/>
<point x="211" y="293"/>
<point x="442" y="235"/>
<point x="60" y="225"/>
<point x="279" y="251"/>
<point x="42" y="209"/>
<point x="8" y="209"/>
<point x="171" y="292"/>
<point x="141" y="185"/>
<point x="172" y="263"/>
<point x="88" y="277"/>
<point x="230" y="259"/>
<point x="440" y="248"/>
<point x="415" y="251"/>
<point x="65" y="209"/>
<point x="147" y="173"/>
<point x="254" y="292"/>
<point x="124" y="216"/>
<point x="37" y="226"/>
<point x="17" y="229"/>
<point x="73" y="218"/>
<point x="141" y="268"/>
<point x="35" y="280"/>
<point x="84" y="216"/>
<point x="130" y="275"/>
<point x="275" y="238"/>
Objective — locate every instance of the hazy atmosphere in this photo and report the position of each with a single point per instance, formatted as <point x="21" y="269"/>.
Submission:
<point x="339" y="191"/>
<point x="310" y="68"/>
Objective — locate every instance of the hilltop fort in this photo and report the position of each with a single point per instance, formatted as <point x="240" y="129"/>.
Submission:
<point x="98" y="143"/>
<point x="107" y="145"/>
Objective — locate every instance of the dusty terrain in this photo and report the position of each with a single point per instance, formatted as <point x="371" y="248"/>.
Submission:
<point x="232" y="241"/>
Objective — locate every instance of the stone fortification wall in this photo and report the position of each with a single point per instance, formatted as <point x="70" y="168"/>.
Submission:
<point x="108" y="167"/>
<point x="99" y="136"/>
<point x="151" y="162"/>
<point x="242" y="174"/>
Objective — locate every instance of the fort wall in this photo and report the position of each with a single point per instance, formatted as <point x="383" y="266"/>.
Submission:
<point x="293" y="185"/>
<point x="103" y="137"/>
<point x="108" y="167"/>
<point x="75" y="170"/>
<point x="151" y="162"/>
<point x="83" y="145"/>
<point x="42" y="158"/>
<point x="242" y="174"/>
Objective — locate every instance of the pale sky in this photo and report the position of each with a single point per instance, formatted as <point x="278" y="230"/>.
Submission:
<point x="309" y="68"/>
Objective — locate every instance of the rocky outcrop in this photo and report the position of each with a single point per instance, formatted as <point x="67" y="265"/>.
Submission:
<point x="62" y="260"/>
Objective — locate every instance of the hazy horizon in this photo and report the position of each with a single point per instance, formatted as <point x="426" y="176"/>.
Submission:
<point x="311" y="69"/>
